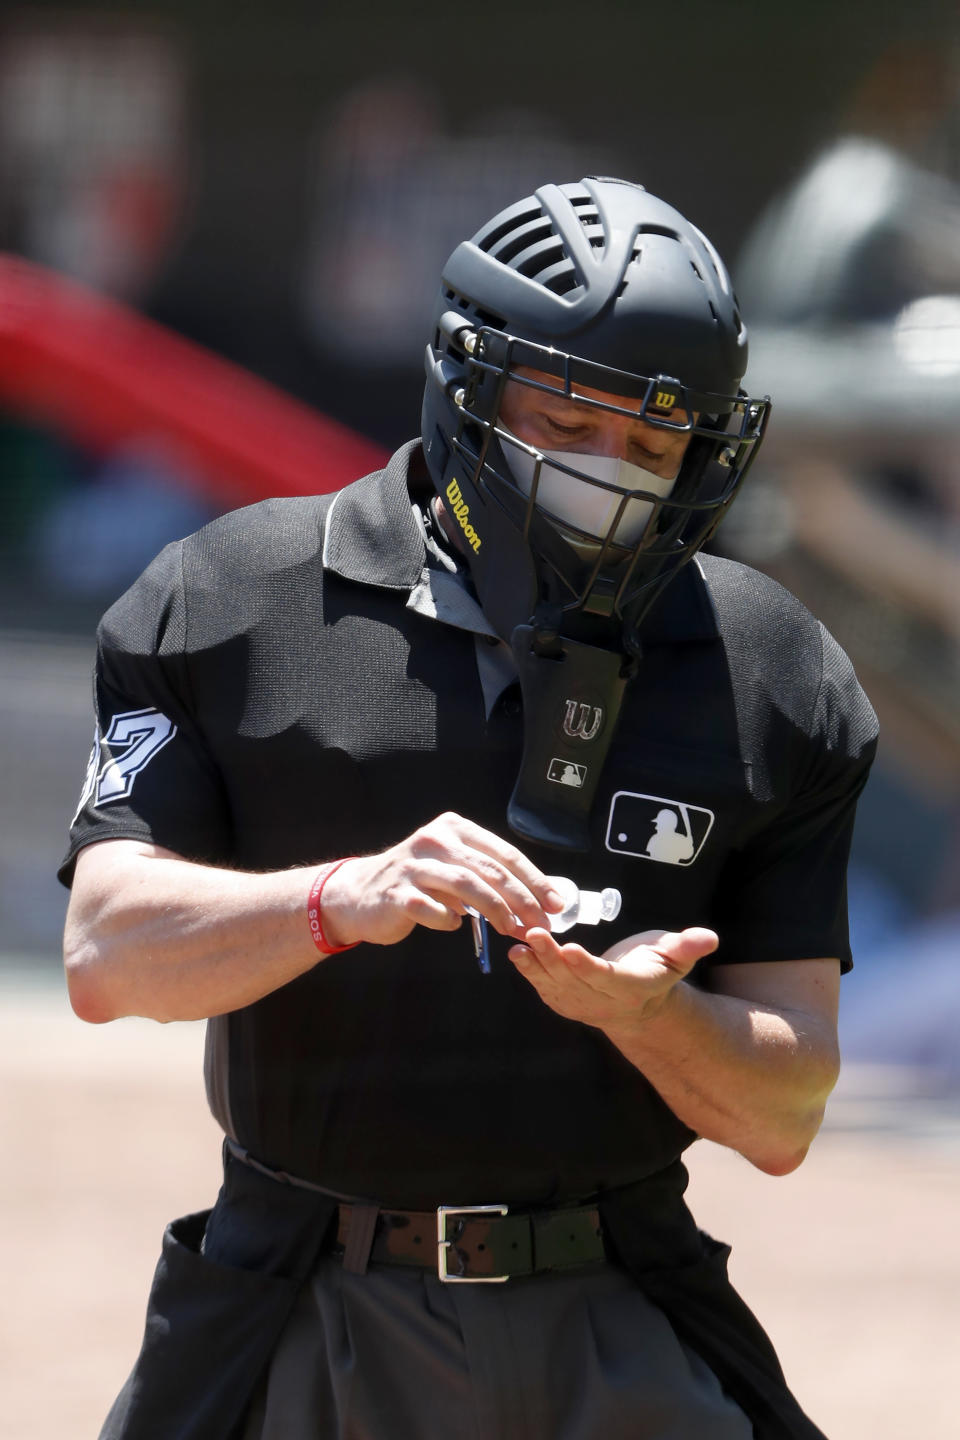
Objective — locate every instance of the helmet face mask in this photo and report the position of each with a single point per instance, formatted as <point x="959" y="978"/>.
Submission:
<point x="577" y="566"/>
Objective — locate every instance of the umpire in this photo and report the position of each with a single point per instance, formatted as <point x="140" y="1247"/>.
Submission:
<point x="453" y="1193"/>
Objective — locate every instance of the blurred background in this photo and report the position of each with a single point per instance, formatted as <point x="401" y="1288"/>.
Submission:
<point x="219" y="242"/>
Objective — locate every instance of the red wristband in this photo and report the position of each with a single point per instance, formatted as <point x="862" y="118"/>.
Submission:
<point x="314" y="915"/>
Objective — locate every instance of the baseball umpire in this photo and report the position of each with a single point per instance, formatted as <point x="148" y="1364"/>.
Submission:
<point x="345" y="747"/>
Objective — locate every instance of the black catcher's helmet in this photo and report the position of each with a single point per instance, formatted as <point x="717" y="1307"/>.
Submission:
<point x="599" y="285"/>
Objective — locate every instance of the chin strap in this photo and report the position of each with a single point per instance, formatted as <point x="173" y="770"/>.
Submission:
<point x="572" y="695"/>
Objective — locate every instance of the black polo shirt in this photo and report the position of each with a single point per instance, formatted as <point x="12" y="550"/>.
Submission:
<point x="295" y="683"/>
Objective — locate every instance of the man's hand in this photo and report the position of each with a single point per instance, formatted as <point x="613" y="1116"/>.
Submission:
<point x="625" y="986"/>
<point x="429" y="879"/>
<point x="748" y="1062"/>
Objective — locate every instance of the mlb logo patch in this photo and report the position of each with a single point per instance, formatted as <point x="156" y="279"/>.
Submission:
<point x="564" y="772"/>
<point x="651" y="827"/>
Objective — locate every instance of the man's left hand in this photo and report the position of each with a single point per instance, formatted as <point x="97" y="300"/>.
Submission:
<point x="625" y="985"/>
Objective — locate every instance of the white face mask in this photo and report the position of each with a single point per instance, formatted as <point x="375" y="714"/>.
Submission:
<point x="587" y="506"/>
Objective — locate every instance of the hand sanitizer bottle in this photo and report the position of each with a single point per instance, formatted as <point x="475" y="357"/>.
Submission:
<point x="582" y="907"/>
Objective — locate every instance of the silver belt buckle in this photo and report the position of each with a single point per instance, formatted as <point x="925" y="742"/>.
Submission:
<point x="443" y="1244"/>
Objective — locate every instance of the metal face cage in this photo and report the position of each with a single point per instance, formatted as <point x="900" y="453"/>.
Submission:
<point x="580" y="570"/>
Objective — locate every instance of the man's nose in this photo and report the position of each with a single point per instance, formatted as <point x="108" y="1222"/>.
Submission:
<point x="618" y="436"/>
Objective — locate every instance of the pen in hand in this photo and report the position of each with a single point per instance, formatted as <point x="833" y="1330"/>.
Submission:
<point x="481" y="946"/>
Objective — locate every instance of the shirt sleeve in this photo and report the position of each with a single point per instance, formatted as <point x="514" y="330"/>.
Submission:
<point x="784" y="894"/>
<point x="150" y="775"/>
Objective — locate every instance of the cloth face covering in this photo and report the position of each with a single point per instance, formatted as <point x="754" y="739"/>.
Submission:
<point x="587" y="507"/>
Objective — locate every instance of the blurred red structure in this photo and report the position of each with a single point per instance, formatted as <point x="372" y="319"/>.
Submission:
<point x="102" y="374"/>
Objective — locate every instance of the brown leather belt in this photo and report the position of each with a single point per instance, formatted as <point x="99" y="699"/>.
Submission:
<point x="472" y="1242"/>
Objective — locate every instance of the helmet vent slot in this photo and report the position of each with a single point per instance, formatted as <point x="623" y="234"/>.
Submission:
<point x="489" y="241"/>
<point x="589" y="218"/>
<point x="562" y="280"/>
<point x="521" y="239"/>
<point x="454" y="297"/>
<point x="541" y="259"/>
<point x="487" y="317"/>
<point x="663" y="230"/>
<point x="635" y="255"/>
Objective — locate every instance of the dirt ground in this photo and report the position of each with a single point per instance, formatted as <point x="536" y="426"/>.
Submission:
<point x="852" y="1263"/>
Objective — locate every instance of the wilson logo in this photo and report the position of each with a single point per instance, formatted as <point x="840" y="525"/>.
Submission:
<point x="665" y="400"/>
<point x="461" y="511"/>
<point x="581" y="722"/>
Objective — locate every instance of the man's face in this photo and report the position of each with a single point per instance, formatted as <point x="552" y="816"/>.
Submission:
<point x="627" y="463"/>
<point x="557" y="422"/>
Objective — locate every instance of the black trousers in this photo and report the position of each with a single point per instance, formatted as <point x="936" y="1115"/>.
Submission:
<point x="571" y="1355"/>
<point x="229" y="1281"/>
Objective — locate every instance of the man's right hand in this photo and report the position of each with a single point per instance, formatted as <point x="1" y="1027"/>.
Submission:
<point x="430" y="879"/>
<point x="151" y="933"/>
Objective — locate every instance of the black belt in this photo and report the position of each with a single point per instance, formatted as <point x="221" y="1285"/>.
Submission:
<point x="470" y="1242"/>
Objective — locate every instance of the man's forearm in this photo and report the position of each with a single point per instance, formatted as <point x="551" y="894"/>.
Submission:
<point x="171" y="940"/>
<point x="745" y="1075"/>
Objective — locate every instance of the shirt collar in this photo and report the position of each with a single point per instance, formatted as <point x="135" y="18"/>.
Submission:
<point x="373" y="537"/>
